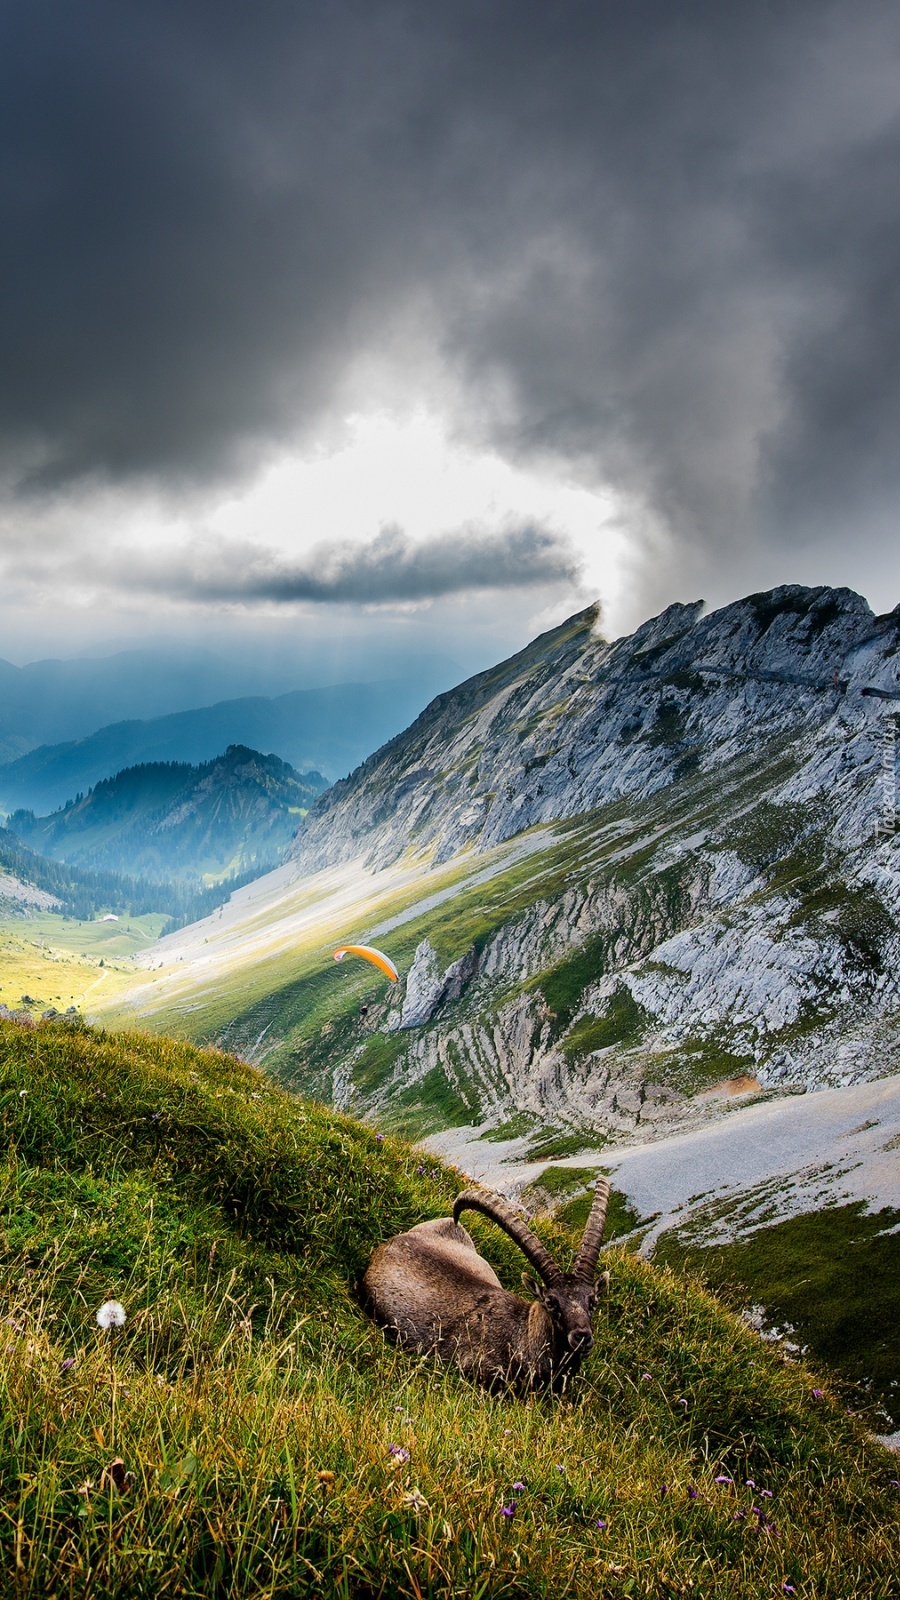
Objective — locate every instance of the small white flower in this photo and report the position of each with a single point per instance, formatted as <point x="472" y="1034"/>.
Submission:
<point x="111" y="1314"/>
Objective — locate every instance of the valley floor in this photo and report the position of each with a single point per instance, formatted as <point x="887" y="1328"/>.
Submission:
<point x="61" y="962"/>
<point x="834" y="1146"/>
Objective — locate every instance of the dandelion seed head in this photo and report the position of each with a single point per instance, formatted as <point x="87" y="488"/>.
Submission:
<point x="111" y="1315"/>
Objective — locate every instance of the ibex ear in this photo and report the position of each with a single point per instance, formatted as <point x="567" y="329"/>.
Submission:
<point x="602" y="1283"/>
<point x="532" y="1285"/>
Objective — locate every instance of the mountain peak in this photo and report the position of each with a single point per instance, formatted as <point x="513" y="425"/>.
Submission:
<point x="572" y="721"/>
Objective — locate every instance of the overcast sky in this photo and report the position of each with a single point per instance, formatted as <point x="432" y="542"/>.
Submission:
<point x="423" y="324"/>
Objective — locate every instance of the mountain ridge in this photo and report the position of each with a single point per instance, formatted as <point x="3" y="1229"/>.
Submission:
<point x="493" y="756"/>
<point x="167" y="820"/>
<point x="327" y="729"/>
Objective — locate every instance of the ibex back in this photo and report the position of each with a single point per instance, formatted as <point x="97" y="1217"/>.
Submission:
<point x="435" y="1294"/>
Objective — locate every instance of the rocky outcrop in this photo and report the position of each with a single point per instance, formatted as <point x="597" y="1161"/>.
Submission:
<point x="574" y="722"/>
<point x="427" y="988"/>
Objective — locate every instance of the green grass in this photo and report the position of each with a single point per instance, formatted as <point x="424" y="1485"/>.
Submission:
<point x="60" y="961"/>
<point x="621" y="1218"/>
<point x="232" y="1221"/>
<point x="833" y="1274"/>
<point x="558" y="1182"/>
<point x="551" y="1144"/>
<point x="429" y="1104"/>
<point x="623" y="1023"/>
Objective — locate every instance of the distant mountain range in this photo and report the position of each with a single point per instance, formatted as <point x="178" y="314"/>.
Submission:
<point x="47" y="702"/>
<point x="330" y="730"/>
<point x="168" y="820"/>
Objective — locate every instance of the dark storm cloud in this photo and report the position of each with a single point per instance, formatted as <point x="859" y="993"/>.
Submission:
<point x="390" y="569"/>
<point x="661" y="241"/>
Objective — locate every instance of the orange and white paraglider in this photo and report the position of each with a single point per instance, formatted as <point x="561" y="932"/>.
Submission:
<point x="377" y="958"/>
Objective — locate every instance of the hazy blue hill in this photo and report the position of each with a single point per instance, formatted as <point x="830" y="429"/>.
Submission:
<point x="330" y="729"/>
<point x="161" y="820"/>
<point x="47" y="701"/>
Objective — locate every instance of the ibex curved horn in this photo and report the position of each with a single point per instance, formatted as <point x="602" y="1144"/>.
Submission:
<point x="496" y="1210"/>
<point x="585" y="1264"/>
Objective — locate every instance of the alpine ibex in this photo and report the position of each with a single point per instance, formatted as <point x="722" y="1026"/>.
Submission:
<point x="435" y="1294"/>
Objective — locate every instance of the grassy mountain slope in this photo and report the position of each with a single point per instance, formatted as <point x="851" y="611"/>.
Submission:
<point x="167" y="820"/>
<point x="254" y="1407"/>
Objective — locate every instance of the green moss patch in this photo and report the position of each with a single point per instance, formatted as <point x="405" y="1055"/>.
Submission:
<point x="834" y="1274"/>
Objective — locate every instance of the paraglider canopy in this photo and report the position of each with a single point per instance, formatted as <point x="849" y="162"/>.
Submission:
<point x="377" y="958"/>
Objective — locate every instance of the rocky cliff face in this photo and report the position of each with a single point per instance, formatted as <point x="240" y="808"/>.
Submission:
<point x="706" y="908"/>
<point x="574" y="722"/>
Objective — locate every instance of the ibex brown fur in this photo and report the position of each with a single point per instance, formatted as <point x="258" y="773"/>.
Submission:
<point x="435" y="1294"/>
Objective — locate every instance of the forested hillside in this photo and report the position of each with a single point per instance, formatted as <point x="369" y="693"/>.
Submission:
<point x="168" y="820"/>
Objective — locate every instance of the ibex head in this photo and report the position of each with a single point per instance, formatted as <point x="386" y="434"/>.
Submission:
<point x="569" y="1298"/>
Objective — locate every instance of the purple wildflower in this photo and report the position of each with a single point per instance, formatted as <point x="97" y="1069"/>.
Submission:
<point x="895" y="1483"/>
<point x="508" y="1511"/>
<point x="818" y="1394"/>
<point x="518" y="1488"/>
<point x="600" y="1523"/>
<point x="664" y="1489"/>
<point x="379" y="1138"/>
<point x="749" y="1483"/>
<point x="739" y="1515"/>
<point x="646" y="1377"/>
<point x="560" y="1467"/>
<point x="788" y="1588"/>
<point x="419" y="1171"/>
<point x="683" y="1402"/>
<point x="722" y="1478"/>
<point x="69" y="1362"/>
<point x="766" y="1494"/>
<point x="693" y="1494"/>
<point x="398" y="1452"/>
